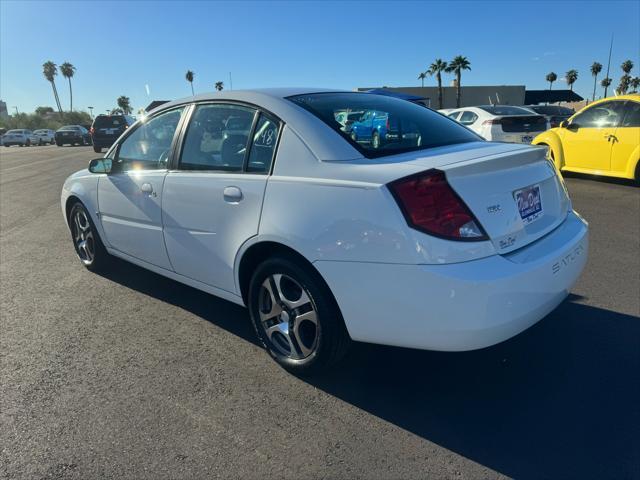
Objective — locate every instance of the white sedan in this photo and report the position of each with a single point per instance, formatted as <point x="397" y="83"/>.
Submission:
<point x="438" y="241"/>
<point x="45" y="136"/>
<point x="500" y="123"/>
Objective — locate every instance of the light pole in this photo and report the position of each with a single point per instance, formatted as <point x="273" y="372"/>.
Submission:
<point x="17" y="112"/>
<point x="91" y="112"/>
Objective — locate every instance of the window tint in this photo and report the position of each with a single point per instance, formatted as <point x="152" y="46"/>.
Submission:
<point x="631" y="115"/>
<point x="505" y="110"/>
<point x="109" y="121"/>
<point x="607" y="114"/>
<point x="149" y="145"/>
<point x="454" y="115"/>
<point x="397" y="126"/>
<point x="467" y="118"/>
<point x="217" y="138"/>
<point x="264" y="145"/>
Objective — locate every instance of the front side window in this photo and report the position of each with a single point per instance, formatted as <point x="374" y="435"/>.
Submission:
<point x="607" y="114"/>
<point x="397" y="126"/>
<point x="217" y="138"/>
<point x="148" y="147"/>
<point x="631" y="115"/>
<point x="467" y="118"/>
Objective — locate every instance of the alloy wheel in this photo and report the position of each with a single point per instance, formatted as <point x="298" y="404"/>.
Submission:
<point x="289" y="317"/>
<point x="83" y="238"/>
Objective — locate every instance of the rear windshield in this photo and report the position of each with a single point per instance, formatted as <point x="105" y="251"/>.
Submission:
<point x="104" y="121"/>
<point x="69" y="128"/>
<point x="16" y="132"/>
<point x="551" y="110"/>
<point x="382" y="125"/>
<point x="505" y="110"/>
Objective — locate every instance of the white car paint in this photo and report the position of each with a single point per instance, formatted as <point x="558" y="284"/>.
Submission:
<point x="45" y="136"/>
<point x="483" y="123"/>
<point x="22" y="137"/>
<point x="393" y="284"/>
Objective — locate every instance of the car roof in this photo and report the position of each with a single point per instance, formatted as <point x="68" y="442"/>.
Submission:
<point x="324" y="142"/>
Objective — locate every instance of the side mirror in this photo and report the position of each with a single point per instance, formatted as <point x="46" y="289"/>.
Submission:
<point x="564" y="124"/>
<point x="100" y="165"/>
<point x="572" y="126"/>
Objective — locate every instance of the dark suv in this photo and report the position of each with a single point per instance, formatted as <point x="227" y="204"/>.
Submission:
<point x="107" y="128"/>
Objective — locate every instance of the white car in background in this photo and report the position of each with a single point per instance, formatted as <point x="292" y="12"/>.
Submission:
<point x="22" y="137"/>
<point x="501" y="123"/>
<point x="447" y="242"/>
<point x="45" y="136"/>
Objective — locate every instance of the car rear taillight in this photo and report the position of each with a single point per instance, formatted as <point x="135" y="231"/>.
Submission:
<point x="492" y="121"/>
<point x="430" y="205"/>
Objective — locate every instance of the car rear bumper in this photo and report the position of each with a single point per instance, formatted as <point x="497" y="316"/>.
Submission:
<point x="460" y="306"/>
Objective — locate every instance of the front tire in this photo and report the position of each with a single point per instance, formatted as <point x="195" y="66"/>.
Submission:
<point x="86" y="240"/>
<point x="97" y="149"/>
<point x="296" y="317"/>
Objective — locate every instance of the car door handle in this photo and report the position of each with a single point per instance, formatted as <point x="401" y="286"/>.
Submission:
<point x="232" y="194"/>
<point x="146" y="188"/>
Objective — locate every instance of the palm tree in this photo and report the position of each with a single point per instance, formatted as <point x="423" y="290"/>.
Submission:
<point x="219" y="86"/>
<point x="67" y="71"/>
<point x="421" y="77"/>
<point x="125" y="104"/>
<point x="605" y="83"/>
<point x="456" y="66"/>
<point x="623" y="86"/>
<point x="635" y="83"/>
<point x="189" y="76"/>
<point x="626" y="66"/>
<point x="571" y="76"/>
<point x="436" y="68"/>
<point x="50" y="70"/>
<point x="551" y="77"/>
<point x="596" y="68"/>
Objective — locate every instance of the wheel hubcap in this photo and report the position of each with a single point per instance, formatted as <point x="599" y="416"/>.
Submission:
<point x="288" y="317"/>
<point x="83" y="237"/>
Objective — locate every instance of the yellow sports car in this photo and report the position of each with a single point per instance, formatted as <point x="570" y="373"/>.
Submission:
<point x="602" y="139"/>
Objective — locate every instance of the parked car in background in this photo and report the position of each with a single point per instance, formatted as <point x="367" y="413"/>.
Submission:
<point x="451" y="244"/>
<point x="602" y="139"/>
<point x="107" y="128"/>
<point x="501" y="123"/>
<point x="72" y="135"/>
<point x="555" y="114"/>
<point x="22" y="137"/>
<point x="45" y="136"/>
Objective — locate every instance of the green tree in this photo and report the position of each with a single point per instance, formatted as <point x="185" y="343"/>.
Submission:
<point x="189" y="76"/>
<point x="50" y="70"/>
<point x="596" y="68"/>
<point x="421" y="77"/>
<point x="626" y="66"/>
<point x="625" y="82"/>
<point x="605" y="83"/>
<point x="551" y="77"/>
<point x="42" y="111"/>
<point x="457" y="65"/>
<point x="635" y="83"/>
<point x="436" y="68"/>
<point x="570" y="77"/>
<point x="219" y="86"/>
<point x="67" y="71"/>
<point x="124" y="103"/>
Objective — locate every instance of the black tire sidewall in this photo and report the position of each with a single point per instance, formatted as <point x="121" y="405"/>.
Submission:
<point x="100" y="253"/>
<point x="332" y="331"/>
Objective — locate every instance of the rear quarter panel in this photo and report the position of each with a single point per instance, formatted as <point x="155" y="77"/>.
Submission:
<point x="552" y="139"/>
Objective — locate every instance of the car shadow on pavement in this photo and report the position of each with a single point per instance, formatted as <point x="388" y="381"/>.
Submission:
<point x="560" y="400"/>
<point x="600" y="178"/>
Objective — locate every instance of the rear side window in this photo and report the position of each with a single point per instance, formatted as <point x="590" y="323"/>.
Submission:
<point x="263" y="148"/>
<point x="631" y="115"/>
<point x="388" y="125"/>
<point x="467" y="118"/>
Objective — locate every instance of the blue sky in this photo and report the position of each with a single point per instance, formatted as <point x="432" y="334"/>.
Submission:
<point x="118" y="48"/>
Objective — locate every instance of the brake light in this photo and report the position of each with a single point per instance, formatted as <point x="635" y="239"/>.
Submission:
<point x="430" y="205"/>
<point x="492" y="121"/>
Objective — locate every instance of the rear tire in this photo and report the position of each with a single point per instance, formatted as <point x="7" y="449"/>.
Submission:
<point x="296" y="317"/>
<point x="375" y="140"/>
<point x="97" y="149"/>
<point x="28" y="144"/>
<point x="86" y="240"/>
<point x="59" y="144"/>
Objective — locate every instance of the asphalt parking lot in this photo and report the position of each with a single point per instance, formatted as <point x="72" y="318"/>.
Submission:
<point x="131" y="375"/>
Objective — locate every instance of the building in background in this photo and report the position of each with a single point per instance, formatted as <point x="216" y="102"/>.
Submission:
<point x="471" y="95"/>
<point x="3" y="110"/>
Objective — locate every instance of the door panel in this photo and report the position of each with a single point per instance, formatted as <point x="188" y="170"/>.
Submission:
<point x="204" y="226"/>
<point x="626" y="140"/>
<point x="129" y="198"/>
<point x="589" y="146"/>
<point x="132" y="218"/>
